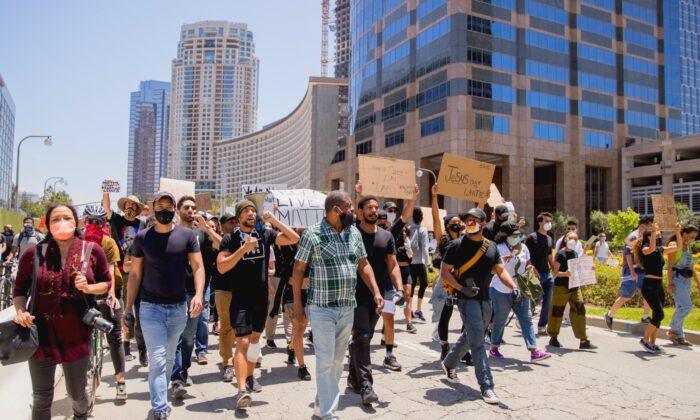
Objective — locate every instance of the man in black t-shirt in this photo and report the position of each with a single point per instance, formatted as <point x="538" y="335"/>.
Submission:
<point x="539" y="243"/>
<point x="243" y="262"/>
<point x="501" y="215"/>
<point x="474" y="305"/>
<point x="381" y="255"/>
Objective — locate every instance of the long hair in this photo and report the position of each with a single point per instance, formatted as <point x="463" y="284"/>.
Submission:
<point x="638" y="245"/>
<point x="562" y="244"/>
<point x="689" y="228"/>
<point x="53" y="206"/>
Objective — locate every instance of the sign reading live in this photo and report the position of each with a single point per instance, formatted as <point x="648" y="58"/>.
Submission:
<point x="296" y="208"/>
<point x="177" y="187"/>
<point x="203" y="201"/>
<point x="464" y="178"/>
<point x="664" y="212"/>
<point x="387" y="177"/>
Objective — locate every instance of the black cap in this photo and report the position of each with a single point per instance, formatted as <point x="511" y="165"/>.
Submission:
<point x="164" y="194"/>
<point x="381" y="214"/>
<point x="390" y="205"/>
<point x="501" y="210"/>
<point x="509" y="228"/>
<point x="226" y="217"/>
<point x="475" y="212"/>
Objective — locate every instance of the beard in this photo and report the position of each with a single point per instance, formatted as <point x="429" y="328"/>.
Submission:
<point x="371" y="219"/>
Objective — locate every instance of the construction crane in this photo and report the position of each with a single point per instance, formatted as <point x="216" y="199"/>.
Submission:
<point x="325" y="21"/>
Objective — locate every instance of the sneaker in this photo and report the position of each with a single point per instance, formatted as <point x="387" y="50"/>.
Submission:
<point x="444" y="349"/>
<point x="656" y="348"/>
<point x="489" y="396"/>
<point x="541" y="331"/>
<point x="160" y="416"/>
<point x="129" y="357"/>
<point x="271" y="344"/>
<point x="419" y="315"/>
<point x="202" y="359"/>
<point x="538" y="355"/>
<point x="317" y="410"/>
<point x="303" y="373"/>
<point x="369" y="396"/>
<point x="451" y="373"/>
<point x="554" y="342"/>
<point x="228" y="374"/>
<point x="645" y="319"/>
<point x="291" y="357"/>
<point x="586" y="345"/>
<point x="243" y="400"/>
<point x="410" y="328"/>
<point x="215" y="329"/>
<point x="310" y="338"/>
<point x="608" y="320"/>
<point x="467" y="359"/>
<point x="352" y="385"/>
<point x="252" y="384"/>
<point x="143" y="358"/>
<point x="178" y="391"/>
<point x="494" y="353"/>
<point x="391" y="363"/>
<point x="647" y="346"/>
<point x="436" y="336"/>
<point x="121" y="391"/>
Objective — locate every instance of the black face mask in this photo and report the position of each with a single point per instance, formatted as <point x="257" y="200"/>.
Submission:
<point x="346" y="219"/>
<point x="165" y="216"/>
<point x="456" y="228"/>
<point x="8" y="233"/>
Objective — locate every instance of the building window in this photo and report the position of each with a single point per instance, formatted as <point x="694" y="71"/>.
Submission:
<point x="605" y="4"/>
<point x="434" y="32"/>
<point x="491" y="59"/>
<point x="491" y="91"/>
<point x="433" y="94"/>
<point x="598" y="140"/>
<point x="546" y="12"/>
<point x="392" y="139"/>
<point x="547" y="71"/>
<point x="492" y="123"/>
<point x="488" y="27"/>
<point x="433" y="126"/>
<point x="598" y="55"/>
<point x="591" y="81"/>
<point x="600" y="27"/>
<point x="547" y="42"/>
<point x="601" y="112"/>
<point x="641" y="119"/>
<point x="548" y="132"/>
<point x="638" y="12"/>
<point x="506" y="4"/>
<point x="546" y="101"/>
<point x="394" y="110"/>
<point x="339" y="156"/>
<point x="209" y="57"/>
<point x="363" y="148"/>
<point x="427" y="6"/>
<point x="396" y="54"/>
<point x="638" y="38"/>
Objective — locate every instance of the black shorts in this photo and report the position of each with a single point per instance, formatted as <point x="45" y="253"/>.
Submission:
<point x="247" y="316"/>
<point x="406" y="278"/>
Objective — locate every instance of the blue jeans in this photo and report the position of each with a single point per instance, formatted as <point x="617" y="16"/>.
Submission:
<point x="475" y="315"/>
<point x="684" y="304"/>
<point x="502" y="304"/>
<point x="162" y="326"/>
<point x="331" y="327"/>
<point x="547" y="283"/>
<point x="185" y="346"/>
<point x="201" y="340"/>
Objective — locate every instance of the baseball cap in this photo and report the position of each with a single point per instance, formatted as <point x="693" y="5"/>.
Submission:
<point x="501" y="209"/>
<point x="475" y="212"/>
<point x="510" y="228"/>
<point x="390" y="205"/>
<point x="164" y="194"/>
<point x="226" y="217"/>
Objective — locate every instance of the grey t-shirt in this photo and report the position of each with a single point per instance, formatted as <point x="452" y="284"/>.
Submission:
<point x="26" y="241"/>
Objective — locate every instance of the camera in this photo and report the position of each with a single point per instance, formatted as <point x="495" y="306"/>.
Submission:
<point x="93" y="318"/>
<point x="398" y="298"/>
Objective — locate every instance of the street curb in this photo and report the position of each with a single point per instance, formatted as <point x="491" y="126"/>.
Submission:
<point x="637" y="328"/>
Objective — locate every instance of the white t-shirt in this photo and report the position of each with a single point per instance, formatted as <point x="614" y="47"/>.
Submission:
<point x="578" y="249"/>
<point x="523" y="257"/>
<point x="603" y="249"/>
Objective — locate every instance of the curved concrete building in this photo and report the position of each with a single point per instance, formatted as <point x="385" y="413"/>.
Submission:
<point x="294" y="150"/>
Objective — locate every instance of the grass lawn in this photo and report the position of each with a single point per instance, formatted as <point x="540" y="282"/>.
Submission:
<point x="635" y="314"/>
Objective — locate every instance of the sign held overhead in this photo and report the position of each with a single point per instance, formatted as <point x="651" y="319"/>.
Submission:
<point x="387" y="177"/>
<point x="464" y="178"/>
<point x="665" y="212"/>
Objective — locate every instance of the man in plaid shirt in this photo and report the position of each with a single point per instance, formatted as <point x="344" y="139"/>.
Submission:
<point x="334" y="251"/>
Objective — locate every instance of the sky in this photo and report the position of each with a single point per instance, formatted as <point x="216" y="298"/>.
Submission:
<point x="70" y="66"/>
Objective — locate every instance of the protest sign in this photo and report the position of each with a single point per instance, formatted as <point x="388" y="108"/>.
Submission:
<point x="495" y="197"/>
<point x="582" y="272"/>
<point x="296" y="208"/>
<point x="387" y="177"/>
<point x="428" y="218"/>
<point x="109" y="186"/>
<point x="256" y="188"/>
<point x="664" y="212"/>
<point x="463" y="178"/>
<point x="203" y="201"/>
<point x="177" y="187"/>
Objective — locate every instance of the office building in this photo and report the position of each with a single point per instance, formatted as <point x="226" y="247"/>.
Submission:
<point x="548" y="91"/>
<point x="214" y="97"/>
<point x="148" y="137"/>
<point x="7" y="143"/>
<point x="342" y="37"/>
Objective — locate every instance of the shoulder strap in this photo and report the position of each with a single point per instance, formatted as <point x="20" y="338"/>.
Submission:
<point x="35" y="271"/>
<point x="473" y="260"/>
<point x="85" y="258"/>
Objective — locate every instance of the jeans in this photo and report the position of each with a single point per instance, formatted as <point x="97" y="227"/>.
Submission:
<point x="162" y="327"/>
<point x="502" y="304"/>
<point x="43" y="374"/>
<point x="475" y="315"/>
<point x="331" y="327"/>
<point x="683" y="304"/>
<point x="547" y="283"/>
<point x="201" y="340"/>
<point x="185" y="346"/>
<point x="360" y="366"/>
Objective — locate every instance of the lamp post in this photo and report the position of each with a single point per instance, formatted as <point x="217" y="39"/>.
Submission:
<point x="48" y="141"/>
<point x="60" y="181"/>
<point x="46" y="183"/>
<point x="419" y="173"/>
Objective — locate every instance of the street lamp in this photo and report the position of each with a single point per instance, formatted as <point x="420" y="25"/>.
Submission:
<point x="61" y="181"/>
<point x="419" y="173"/>
<point x="46" y="183"/>
<point x="48" y="141"/>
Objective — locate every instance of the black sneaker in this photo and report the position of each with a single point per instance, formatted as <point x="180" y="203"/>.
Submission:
<point x="467" y="359"/>
<point x="143" y="358"/>
<point x="228" y="374"/>
<point x="303" y="373"/>
<point x="391" y="363"/>
<point x="177" y="389"/>
<point x="608" y="320"/>
<point x="271" y="344"/>
<point x="554" y="342"/>
<point x="352" y="385"/>
<point x="160" y="416"/>
<point x="369" y="396"/>
<point x="252" y="384"/>
<point x="243" y="400"/>
<point x="451" y="373"/>
<point x="647" y="346"/>
<point x="586" y="345"/>
<point x="291" y="357"/>
<point x="444" y="349"/>
<point x="645" y="319"/>
<point x="412" y="329"/>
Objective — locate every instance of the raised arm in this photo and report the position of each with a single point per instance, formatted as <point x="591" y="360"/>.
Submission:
<point x="408" y="208"/>
<point x="107" y="204"/>
<point x="437" y="224"/>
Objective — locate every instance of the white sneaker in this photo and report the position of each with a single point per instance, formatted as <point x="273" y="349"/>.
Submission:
<point x="490" y="397"/>
<point x="317" y="410"/>
<point x="436" y="336"/>
<point x="541" y="331"/>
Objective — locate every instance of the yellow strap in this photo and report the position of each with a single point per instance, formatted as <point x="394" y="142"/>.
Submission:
<point x="469" y="264"/>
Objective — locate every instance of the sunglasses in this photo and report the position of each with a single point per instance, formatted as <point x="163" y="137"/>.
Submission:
<point x="188" y="207"/>
<point x="95" y="221"/>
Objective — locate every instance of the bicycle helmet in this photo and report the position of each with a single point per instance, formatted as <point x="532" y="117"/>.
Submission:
<point x="93" y="211"/>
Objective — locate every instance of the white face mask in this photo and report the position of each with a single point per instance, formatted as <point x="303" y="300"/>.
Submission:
<point x="513" y="241"/>
<point x="472" y="229"/>
<point x="548" y="226"/>
<point x="391" y="217"/>
<point x="602" y="239"/>
<point x="571" y="244"/>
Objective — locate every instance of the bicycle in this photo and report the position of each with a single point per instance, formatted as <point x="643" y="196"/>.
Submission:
<point x="7" y="283"/>
<point x="95" y="361"/>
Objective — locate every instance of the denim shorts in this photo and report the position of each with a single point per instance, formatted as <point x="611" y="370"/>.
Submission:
<point x="628" y="286"/>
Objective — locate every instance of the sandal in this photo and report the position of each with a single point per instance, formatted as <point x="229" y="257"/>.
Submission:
<point x="673" y="337"/>
<point x="683" y="342"/>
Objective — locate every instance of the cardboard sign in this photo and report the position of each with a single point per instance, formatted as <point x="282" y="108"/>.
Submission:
<point x="177" y="187"/>
<point x="495" y="197"/>
<point x="582" y="272"/>
<point x="387" y="177"/>
<point x="296" y="208"/>
<point x="463" y="178"/>
<point x="203" y="201"/>
<point x="665" y="212"/>
<point x="428" y="218"/>
<point x="109" y="186"/>
<point x="255" y="188"/>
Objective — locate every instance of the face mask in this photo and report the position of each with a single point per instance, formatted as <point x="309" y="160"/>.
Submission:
<point x="8" y="233"/>
<point x="571" y="244"/>
<point x="473" y="228"/>
<point x="130" y="214"/>
<point x="94" y="233"/>
<point x="456" y="228"/>
<point x="165" y="216"/>
<point x="513" y="241"/>
<point x="346" y="219"/>
<point x="391" y="217"/>
<point x="548" y="226"/>
<point x="28" y="229"/>
<point x="63" y="229"/>
<point x="602" y="239"/>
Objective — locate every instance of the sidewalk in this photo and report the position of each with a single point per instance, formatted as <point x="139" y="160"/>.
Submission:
<point x="637" y="328"/>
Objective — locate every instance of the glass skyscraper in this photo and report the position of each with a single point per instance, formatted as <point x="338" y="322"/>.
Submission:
<point x="7" y="143"/>
<point x="148" y="137"/>
<point x="682" y="49"/>
<point x="547" y="90"/>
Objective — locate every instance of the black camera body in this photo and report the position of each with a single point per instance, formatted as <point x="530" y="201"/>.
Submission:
<point x="93" y="318"/>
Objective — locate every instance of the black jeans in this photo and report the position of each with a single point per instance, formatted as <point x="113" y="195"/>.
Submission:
<point x="360" y="366"/>
<point x="114" y="338"/>
<point x="444" y="323"/>
<point x="420" y="278"/>
<point x="653" y="293"/>
<point x="43" y="376"/>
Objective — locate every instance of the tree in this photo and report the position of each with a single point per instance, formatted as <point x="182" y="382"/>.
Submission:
<point x="622" y="224"/>
<point x="32" y="209"/>
<point x="599" y="221"/>
<point x="685" y="215"/>
<point x="559" y="221"/>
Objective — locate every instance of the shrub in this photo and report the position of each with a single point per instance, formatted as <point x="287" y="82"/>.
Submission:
<point x="599" y="222"/>
<point x="621" y="225"/>
<point x="559" y="221"/>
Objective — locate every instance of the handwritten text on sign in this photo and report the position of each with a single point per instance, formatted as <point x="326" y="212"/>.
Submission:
<point x="665" y="212"/>
<point x="109" y="186"/>
<point x="296" y="208"/>
<point x="387" y="177"/>
<point x="463" y="178"/>
<point x="582" y="272"/>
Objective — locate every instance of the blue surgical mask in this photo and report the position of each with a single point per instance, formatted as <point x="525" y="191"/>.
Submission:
<point x="513" y="241"/>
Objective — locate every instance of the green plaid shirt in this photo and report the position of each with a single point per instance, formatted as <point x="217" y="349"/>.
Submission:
<point x="332" y="258"/>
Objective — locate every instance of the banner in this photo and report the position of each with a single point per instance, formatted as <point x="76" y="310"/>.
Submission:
<point x="109" y="186"/>
<point x="495" y="197"/>
<point x="177" y="187"/>
<point x="428" y="218"/>
<point x="203" y="201"/>
<point x="255" y="188"/>
<point x="665" y="212"/>
<point x="466" y="179"/>
<point x="387" y="177"/>
<point x="582" y="272"/>
<point x="296" y="208"/>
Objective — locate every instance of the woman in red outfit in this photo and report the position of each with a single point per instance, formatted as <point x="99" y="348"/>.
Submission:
<point x="59" y="307"/>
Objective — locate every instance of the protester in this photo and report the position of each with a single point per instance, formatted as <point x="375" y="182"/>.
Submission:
<point x="223" y="295"/>
<point x="161" y="258"/>
<point x="539" y="243"/>
<point x="420" y="260"/>
<point x="571" y="226"/>
<point x="602" y="250"/>
<point x="244" y="261"/>
<point x="23" y="240"/>
<point x="8" y="235"/>
<point x="335" y="253"/>
<point x="501" y="215"/>
<point x="63" y="338"/>
<point x="681" y="270"/>
<point x="516" y="259"/>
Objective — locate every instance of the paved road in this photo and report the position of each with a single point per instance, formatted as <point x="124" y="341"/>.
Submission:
<point x="618" y="380"/>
